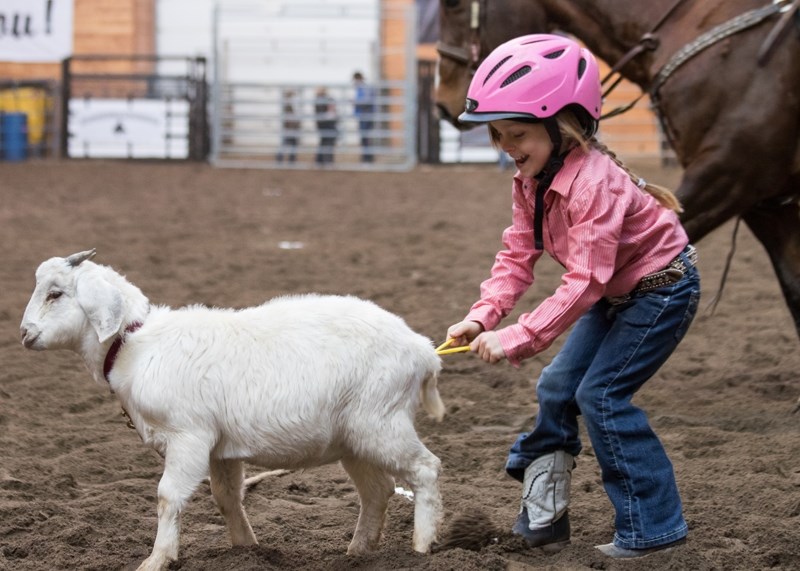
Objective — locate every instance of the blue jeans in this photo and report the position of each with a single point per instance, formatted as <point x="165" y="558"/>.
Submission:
<point x="610" y="353"/>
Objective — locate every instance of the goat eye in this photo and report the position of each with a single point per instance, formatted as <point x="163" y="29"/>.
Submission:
<point x="53" y="295"/>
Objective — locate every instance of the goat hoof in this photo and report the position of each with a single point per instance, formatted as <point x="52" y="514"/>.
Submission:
<point x="154" y="563"/>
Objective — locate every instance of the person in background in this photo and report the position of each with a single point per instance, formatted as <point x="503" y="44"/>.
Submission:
<point x="630" y="290"/>
<point x="365" y="113"/>
<point x="290" y="127"/>
<point x="327" y="125"/>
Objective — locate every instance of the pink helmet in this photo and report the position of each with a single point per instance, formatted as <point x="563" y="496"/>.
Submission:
<point x="535" y="77"/>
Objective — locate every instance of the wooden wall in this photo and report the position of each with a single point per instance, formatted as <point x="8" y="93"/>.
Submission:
<point x="394" y="61"/>
<point x="634" y="133"/>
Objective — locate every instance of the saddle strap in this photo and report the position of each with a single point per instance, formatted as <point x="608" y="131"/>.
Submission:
<point x="729" y="28"/>
<point x="779" y="31"/>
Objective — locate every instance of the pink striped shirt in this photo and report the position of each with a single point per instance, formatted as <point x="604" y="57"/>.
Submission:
<point x="604" y="230"/>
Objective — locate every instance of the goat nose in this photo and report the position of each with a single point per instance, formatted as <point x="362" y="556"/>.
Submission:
<point x="29" y="336"/>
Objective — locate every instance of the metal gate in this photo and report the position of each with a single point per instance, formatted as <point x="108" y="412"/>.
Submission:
<point x="128" y="107"/>
<point x="428" y="129"/>
<point x="283" y="90"/>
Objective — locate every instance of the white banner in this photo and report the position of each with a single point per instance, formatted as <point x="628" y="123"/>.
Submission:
<point x="35" y="30"/>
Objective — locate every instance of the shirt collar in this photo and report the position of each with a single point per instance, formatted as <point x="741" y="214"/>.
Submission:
<point x="564" y="178"/>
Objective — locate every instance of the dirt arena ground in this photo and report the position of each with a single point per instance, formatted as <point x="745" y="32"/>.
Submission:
<point x="78" y="489"/>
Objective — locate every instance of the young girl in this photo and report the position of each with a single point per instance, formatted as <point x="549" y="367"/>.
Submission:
<point x="630" y="287"/>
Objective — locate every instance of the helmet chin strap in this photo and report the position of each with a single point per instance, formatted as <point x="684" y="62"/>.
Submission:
<point x="545" y="178"/>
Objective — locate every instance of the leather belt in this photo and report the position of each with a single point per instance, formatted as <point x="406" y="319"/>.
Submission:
<point x="672" y="273"/>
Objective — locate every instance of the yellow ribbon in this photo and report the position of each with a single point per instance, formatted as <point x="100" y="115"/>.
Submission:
<point x="442" y="349"/>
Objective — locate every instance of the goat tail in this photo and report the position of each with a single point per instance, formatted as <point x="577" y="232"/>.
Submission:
<point x="431" y="401"/>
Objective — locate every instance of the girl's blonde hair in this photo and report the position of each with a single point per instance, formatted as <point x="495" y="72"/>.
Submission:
<point x="573" y="133"/>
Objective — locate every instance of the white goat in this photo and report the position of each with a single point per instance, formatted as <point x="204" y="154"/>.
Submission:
<point x="297" y="382"/>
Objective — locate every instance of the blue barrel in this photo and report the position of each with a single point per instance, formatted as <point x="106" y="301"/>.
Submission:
<point x="14" y="133"/>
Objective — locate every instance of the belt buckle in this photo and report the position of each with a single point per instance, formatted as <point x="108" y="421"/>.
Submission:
<point x="674" y="271"/>
<point x="619" y="299"/>
<point x="691" y="254"/>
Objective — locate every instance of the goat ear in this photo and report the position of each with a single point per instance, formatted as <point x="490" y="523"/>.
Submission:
<point x="102" y="304"/>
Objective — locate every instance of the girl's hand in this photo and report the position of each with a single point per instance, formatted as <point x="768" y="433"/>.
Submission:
<point x="464" y="332"/>
<point x="487" y="346"/>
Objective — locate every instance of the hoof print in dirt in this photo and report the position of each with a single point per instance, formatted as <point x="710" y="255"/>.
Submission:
<point x="473" y="531"/>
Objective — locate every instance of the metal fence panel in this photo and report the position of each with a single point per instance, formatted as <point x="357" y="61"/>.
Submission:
<point x="304" y="111"/>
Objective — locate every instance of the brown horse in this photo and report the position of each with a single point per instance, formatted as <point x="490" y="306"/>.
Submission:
<point x="731" y="109"/>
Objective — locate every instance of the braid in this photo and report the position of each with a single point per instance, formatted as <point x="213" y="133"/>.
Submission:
<point x="663" y="195"/>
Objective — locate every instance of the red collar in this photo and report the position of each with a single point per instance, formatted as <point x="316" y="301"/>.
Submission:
<point x="111" y="356"/>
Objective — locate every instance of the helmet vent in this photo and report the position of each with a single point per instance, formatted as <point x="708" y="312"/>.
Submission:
<point x="523" y="71"/>
<point x="581" y="67"/>
<point x="495" y="68"/>
<point x="555" y="55"/>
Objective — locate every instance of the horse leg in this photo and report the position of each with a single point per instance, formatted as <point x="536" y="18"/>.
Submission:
<point x="712" y="193"/>
<point x="777" y="227"/>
